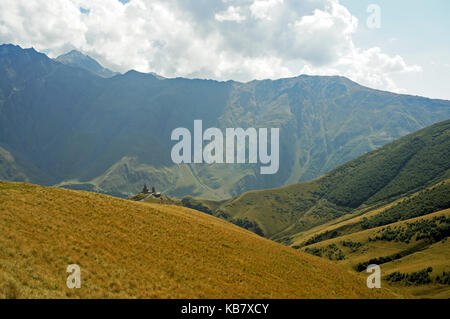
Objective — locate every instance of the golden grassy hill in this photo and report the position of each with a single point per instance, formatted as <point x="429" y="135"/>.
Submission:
<point x="407" y="256"/>
<point x="138" y="250"/>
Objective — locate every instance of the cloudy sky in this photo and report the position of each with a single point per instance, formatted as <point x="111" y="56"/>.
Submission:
<point x="400" y="46"/>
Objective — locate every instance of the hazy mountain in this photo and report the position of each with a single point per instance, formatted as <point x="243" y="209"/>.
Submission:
<point x="405" y="166"/>
<point x="113" y="134"/>
<point x="77" y="59"/>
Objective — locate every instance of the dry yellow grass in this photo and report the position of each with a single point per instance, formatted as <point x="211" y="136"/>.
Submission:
<point x="137" y="250"/>
<point x="436" y="256"/>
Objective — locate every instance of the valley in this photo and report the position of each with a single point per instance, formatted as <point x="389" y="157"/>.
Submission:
<point x="390" y="207"/>
<point x="362" y="177"/>
<point x="69" y="122"/>
<point x="401" y="168"/>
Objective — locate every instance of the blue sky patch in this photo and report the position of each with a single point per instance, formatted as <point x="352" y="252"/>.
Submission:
<point x="84" y="11"/>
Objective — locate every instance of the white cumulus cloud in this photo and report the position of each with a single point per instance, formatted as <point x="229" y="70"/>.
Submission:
<point x="231" y="14"/>
<point x="229" y="39"/>
<point x="261" y="9"/>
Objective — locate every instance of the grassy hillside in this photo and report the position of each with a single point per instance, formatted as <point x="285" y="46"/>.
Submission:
<point x="407" y="238"/>
<point x="413" y="254"/>
<point x="422" y="203"/>
<point x="401" y="168"/>
<point x="129" y="249"/>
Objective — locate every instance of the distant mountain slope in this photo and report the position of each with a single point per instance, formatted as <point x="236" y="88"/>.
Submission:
<point x="14" y="170"/>
<point x="113" y="134"/>
<point x="77" y="59"/>
<point x="405" y="166"/>
<point x="137" y="250"/>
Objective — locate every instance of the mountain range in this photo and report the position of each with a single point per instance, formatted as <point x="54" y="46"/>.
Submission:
<point x="66" y="122"/>
<point x="389" y="207"/>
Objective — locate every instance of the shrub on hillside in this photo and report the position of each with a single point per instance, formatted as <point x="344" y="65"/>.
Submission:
<point x="421" y="277"/>
<point x="432" y="230"/>
<point x="249" y="225"/>
<point x="426" y="202"/>
<point x="191" y="202"/>
<point x="444" y="278"/>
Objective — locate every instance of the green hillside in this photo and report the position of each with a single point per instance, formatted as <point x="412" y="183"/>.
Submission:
<point x="64" y="125"/>
<point x="422" y="203"/>
<point x="403" y="167"/>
